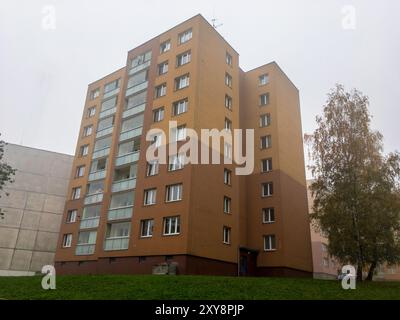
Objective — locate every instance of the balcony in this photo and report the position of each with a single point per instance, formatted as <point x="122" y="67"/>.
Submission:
<point x="84" y="249"/>
<point x="130" y="134"/>
<point x="120" y="243"/>
<point x="136" y="89"/>
<point x="120" y="213"/>
<point x="89" y="223"/>
<point x="97" y="175"/>
<point x="127" y="158"/>
<point x="107" y="112"/>
<point x="140" y="67"/>
<point x="104" y="132"/>
<point x="135" y="110"/>
<point x="110" y="93"/>
<point x="124" y="185"/>
<point x="93" y="198"/>
<point x="101" y="153"/>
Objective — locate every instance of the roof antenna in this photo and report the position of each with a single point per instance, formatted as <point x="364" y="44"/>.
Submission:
<point x="214" y="23"/>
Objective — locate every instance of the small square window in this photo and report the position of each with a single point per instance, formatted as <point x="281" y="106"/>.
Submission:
<point x="163" y="68"/>
<point x="165" y="46"/>
<point x="185" y="36"/>
<point x="268" y="215"/>
<point x="263" y="79"/>
<point x="267" y="189"/>
<point x="158" y="114"/>
<point x="150" y="196"/>
<point x="266" y="165"/>
<point x="264" y="99"/>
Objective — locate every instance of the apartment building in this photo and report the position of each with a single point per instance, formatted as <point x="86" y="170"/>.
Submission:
<point x="125" y="214"/>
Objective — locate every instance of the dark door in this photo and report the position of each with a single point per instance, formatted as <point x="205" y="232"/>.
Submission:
<point x="247" y="263"/>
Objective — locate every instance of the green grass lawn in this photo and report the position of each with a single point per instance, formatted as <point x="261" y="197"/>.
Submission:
<point x="191" y="287"/>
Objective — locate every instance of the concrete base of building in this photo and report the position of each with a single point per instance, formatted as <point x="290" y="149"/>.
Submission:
<point x="324" y="276"/>
<point x="186" y="265"/>
<point x="15" y="273"/>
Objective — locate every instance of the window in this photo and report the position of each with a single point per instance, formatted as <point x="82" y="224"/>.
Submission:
<point x="263" y="79"/>
<point x="268" y="215"/>
<point x="136" y="100"/>
<point x="228" y="102"/>
<point x="174" y="192"/>
<point x="163" y="68"/>
<point x="76" y="193"/>
<point x="265" y="120"/>
<point x="129" y="147"/>
<point x="71" y="216"/>
<point x="227" y="150"/>
<point x="132" y="123"/>
<point x="150" y="196"/>
<point x="172" y="225"/>
<point x="125" y="173"/>
<point x="102" y="143"/>
<point x="137" y="78"/>
<point x="146" y="228"/>
<point x="226" y="235"/>
<point x="228" y="80"/>
<point x="94" y="93"/>
<point x="152" y="168"/>
<point x="182" y="82"/>
<point x="161" y="90"/>
<point x="156" y="140"/>
<point x="185" y="36"/>
<point x="180" y="107"/>
<point x="270" y="242"/>
<point x="91" y="212"/>
<point x="87" y="237"/>
<point x="118" y="230"/>
<point x="176" y="162"/>
<point x="109" y="103"/>
<point x="264" y="99"/>
<point x="228" y="124"/>
<point x="267" y="189"/>
<point x="165" y="46"/>
<point x="140" y="59"/>
<point x="227" y="204"/>
<point x="265" y="142"/>
<point x="67" y="240"/>
<point x="227" y="176"/>
<point x="91" y="112"/>
<point x="266" y="165"/>
<point x="84" y="150"/>
<point x="122" y="200"/>
<point x="228" y="59"/>
<point x="158" y="114"/>
<point x="80" y="171"/>
<point x="105" y="123"/>
<point x="95" y="187"/>
<point x="111" y="86"/>
<point x="180" y="133"/>
<point x="183" y="58"/>
<point x="87" y="131"/>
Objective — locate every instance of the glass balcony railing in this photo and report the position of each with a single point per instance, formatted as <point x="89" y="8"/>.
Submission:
<point x="140" y="67"/>
<point x="110" y="93"/>
<point x="84" y="249"/>
<point x="120" y="243"/>
<point x="135" y="110"/>
<point x="136" y="89"/>
<point x="93" y="198"/>
<point x="120" y="213"/>
<point x="130" y="134"/>
<point x="89" y="223"/>
<point x="127" y="158"/>
<point x="97" y="175"/>
<point x="104" y="132"/>
<point x="107" y="112"/>
<point x="123" y="185"/>
<point x="101" y="153"/>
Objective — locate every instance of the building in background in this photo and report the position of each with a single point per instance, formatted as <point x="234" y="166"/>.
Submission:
<point x="125" y="215"/>
<point x="33" y="210"/>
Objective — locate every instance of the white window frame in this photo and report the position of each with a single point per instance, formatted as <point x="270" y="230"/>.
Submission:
<point x="80" y="171"/>
<point x="174" y="192"/>
<point x="163" y="68"/>
<point x="227" y="205"/>
<point x="176" y="162"/>
<point x="270" y="189"/>
<point x="158" y="114"/>
<point x="185" y="36"/>
<point x="146" y="225"/>
<point x="263" y="79"/>
<point x="172" y="231"/>
<point x="91" y="112"/>
<point x="265" y="120"/>
<point x="152" y="168"/>
<point x="227" y="177"/>
<point x="165" y="46"/>
<point x="182" y="82"/>
<point x="228" y="59"/>
<point x="268" y="240"/>
<point x="184" y="58"/>
<point x="67" y="240"/>
<point x="268" y="162"/>
<point x="228" y="80"/>
<point x="180" y="107"/>
<point x="76" y="193"/>
<point x="228" y="102"/>
<point x="71" y="216"/>
<point x="264" y="99"/>
<point x="161" y="90"/>
<point x="84" y="150"/>
<point x="150" y="197"/>
<point x="226" y="235"/>
<point x="268" y="142"/>
<point x="268" y="215"/>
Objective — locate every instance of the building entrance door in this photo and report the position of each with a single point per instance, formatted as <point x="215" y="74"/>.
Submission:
<point x="247" y="262"/>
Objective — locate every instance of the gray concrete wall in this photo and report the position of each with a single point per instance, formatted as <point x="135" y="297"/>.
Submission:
<point x="33" y="210"/>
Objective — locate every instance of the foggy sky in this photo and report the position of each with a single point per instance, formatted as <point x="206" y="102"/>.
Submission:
<point x="44" y="73"/>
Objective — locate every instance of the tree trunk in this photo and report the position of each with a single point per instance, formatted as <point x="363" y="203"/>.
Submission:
<point x="371" y="271"/>
<point x="359" y="273"/>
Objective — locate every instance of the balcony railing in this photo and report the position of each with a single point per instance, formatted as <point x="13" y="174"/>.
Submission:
<point x="110" y="93"/>
<point x="84" y="249"/>
<point x="130" y="134"/>
<point x="140" y="67"/>
<point x="127" y="158"/>
<point x="101" y="153"/>
<point x="120" y="243"/>
<point x="120" y="213"/>
<point x="104" y="132"/>
<point x="124" y="185"/>
<point x="136" y="89"/>
<point x="135" y="110"/>
<point x="97" y="175"/>
<point x="89" y="223"/>
<point x="107" y="112"/>
<point x="93" y="198"/>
